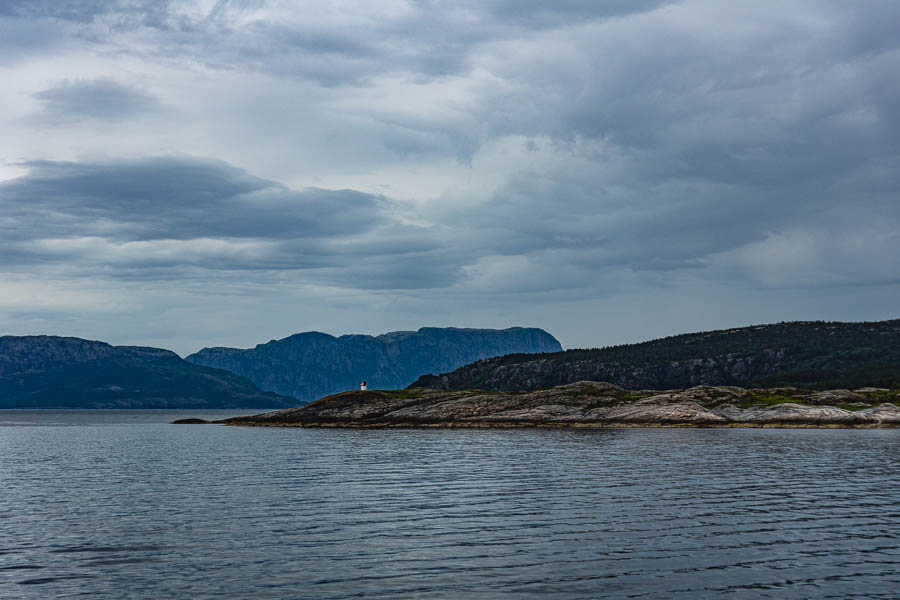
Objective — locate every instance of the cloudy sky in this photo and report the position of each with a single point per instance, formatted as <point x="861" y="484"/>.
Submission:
<point x="189" y="173"/>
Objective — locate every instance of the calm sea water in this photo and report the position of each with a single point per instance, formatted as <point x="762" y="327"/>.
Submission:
<point x="99" y="504"/>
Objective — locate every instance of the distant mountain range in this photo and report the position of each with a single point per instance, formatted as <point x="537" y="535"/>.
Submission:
<point x="310" y="365"/>
<point x="817" y="355"/>
<point x="64" y="372"/>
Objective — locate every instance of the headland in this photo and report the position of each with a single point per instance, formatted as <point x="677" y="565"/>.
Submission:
<point x="593" y="404"/>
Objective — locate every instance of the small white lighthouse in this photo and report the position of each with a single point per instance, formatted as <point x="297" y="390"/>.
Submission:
<point x="363" y="386"/>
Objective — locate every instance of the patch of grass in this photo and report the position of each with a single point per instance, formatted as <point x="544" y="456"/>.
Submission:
<point x="882" y="396"/>
<point x="402" y="394"/>
<point x="767" y="400"/>
<point x="593" y="392"/>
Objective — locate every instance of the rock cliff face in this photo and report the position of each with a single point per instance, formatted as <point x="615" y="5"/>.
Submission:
<point x="593" y="404"/>
<point x="19" y="354"/>
<point x="807" y="354"/>
<point x="65" y="372"/>
<point x="310" y="365"/>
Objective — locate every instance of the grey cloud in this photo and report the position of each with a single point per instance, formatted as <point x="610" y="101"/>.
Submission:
<point x="23" y="39"/>
<point x="308" y="40"/>
<point x="417" y="269"/>
<point x="636" y="145"/>
<point x="764" y="105"/>
<point x="432" y="40"/>
<point x="127" y="12"/>
<point x="75" y="10"/>
<point x="753" y="111"/>
<point x="145" y="215"/>
<point x="720" y="140"/>
<point x="714" y="144"/>
<point x="869" y="28"/>
<point x="573" y="223"/>
<point x="330" y="58"/>
<point x="537" y="13"/>
<point x="100" y="99"/>
<point x="178" y="198"/>
<point x="596" y="224"/>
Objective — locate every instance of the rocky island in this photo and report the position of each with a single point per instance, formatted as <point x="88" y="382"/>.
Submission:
<point x="593" y="404"/>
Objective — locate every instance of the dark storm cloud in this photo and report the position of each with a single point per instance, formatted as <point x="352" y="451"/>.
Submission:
<point x="101" y="99"/>
<point x="176" y="212"/>
<point x="179" y="198"/>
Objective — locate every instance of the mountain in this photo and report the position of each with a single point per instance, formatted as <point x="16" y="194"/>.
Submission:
<point x="310" y="365"/>
<point x="64" y="372"/>
<point x="811" y="354"/>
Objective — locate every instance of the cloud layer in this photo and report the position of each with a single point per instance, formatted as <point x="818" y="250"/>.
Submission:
<point x="154" y="217"/>
<point x="391" y="164"/>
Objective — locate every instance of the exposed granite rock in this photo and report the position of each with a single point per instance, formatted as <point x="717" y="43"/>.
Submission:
<point x="887" y="413"/>
<point x="663" y="409"/>
<point x="836" y="397"/>
<point x="590" y="404"/>
<point x="19" y="354"/>
<point x="801" y="414"/>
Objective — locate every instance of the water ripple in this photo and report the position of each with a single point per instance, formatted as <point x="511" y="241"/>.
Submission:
<point x="108" y="506"/>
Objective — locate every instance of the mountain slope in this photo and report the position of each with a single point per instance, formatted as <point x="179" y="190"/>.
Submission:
<point x="60" y="372"/>
<point x="815" y="355"/>
<point x="310" y="365"/>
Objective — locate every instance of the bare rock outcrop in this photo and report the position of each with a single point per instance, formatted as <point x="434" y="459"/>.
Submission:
<point x="593" y="404"/>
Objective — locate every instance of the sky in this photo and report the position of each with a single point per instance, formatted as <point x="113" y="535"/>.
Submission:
<point x="199" y="173"/>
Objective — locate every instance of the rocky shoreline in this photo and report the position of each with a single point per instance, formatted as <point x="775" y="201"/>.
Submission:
<point x="593" y="404"/>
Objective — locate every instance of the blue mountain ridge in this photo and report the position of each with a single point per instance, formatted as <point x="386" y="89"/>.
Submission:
<point x="310" y="365"/>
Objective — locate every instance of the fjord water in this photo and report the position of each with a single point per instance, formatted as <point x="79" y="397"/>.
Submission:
<point x="119" y="504"/>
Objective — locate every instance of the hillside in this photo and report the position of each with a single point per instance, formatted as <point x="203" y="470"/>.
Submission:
<point x="310" y="365"/>
<point x="817" y="355"/>
<point x="65" y="372"/>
